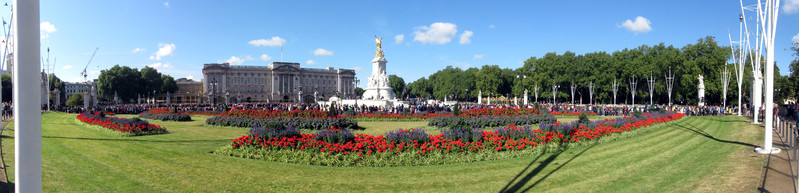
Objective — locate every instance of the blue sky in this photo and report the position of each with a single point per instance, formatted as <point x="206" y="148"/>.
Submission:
<point x="178" y="37"/>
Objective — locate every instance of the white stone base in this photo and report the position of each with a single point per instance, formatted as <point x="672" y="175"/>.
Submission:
<point x="381" y="93"/>
<point x="773" y="150"/>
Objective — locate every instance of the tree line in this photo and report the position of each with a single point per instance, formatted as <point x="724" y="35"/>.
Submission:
<point x="601" y="69"/>
<point x="128" y="83"/>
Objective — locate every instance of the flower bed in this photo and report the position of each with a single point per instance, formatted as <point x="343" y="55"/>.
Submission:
<point x="263" y="114"/>
<point x="127" y="127"/>
<point x="395" y="116"/>
<point x="575" y="113"/>
<point x="503" y="111"/>
<point x="367" y="150"/>
<point x="489" y="121"/>
<point x="166" y="116"/>
<point x="173" y="111"/>
<point x="299" y="123"/>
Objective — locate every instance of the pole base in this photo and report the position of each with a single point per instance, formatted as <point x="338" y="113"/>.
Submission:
<point x="773" y="150"/>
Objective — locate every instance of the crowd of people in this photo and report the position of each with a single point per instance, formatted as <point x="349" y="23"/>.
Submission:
<point x="420" y="107"/>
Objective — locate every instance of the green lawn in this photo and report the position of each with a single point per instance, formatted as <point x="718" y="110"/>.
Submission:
<point x="693" y="154"/>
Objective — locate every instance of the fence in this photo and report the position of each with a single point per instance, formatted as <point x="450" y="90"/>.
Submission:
<point x="786" y="129"/>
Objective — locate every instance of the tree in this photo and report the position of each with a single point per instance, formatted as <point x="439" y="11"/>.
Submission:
<point x="124" y="81"/>
<point x="359" y="91"/>
<point x="151" y="80"/>
<point x="168" y="85"/>
<point x="75" y="100"/>
<point x="420" y="88"/>
<point x="397" y="83"/>
<point x="56" y="82"/>
<point x="7" y="88"/>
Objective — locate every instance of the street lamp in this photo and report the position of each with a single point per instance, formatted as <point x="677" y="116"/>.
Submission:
<point x="522" y="77"/>
<point x="555" y="87"/>
<point x="467" y="94"/>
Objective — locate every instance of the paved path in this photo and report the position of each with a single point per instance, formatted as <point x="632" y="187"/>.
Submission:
<point x="779" y="172"/>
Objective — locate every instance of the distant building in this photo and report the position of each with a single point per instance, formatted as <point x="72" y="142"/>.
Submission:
<point x="188" y="91"/>
<point x="78" y="87"/>
<point x="277" y="82"/>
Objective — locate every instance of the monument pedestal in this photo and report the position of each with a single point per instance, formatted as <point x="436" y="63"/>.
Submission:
<point x="378" y="87"/>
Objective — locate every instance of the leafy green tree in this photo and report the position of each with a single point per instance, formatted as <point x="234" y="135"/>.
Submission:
<point x="151" y="80"/>
<point x="125" y="81"/>
<point x="359" y="91"/>
<point x="56" y="82"/>
<point x="420" y="88"/>
<point x="75" y="100"/>
<point x="7" y="88"/>
<point x="397" y="83"/>
<point x="168" y="84"/>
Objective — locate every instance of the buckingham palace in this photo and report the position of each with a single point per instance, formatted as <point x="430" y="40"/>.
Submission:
<point x="277" y="82"/>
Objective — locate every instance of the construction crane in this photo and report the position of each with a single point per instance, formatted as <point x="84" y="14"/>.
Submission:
<point x="84" y="74"/>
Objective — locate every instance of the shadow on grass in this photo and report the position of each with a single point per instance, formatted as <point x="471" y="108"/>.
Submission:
<point x="139" y="140"/>
<point x="517" y="187"/>
<point x="707" y="135"/>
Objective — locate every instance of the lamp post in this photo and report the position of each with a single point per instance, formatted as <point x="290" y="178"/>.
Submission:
<point x="572" y="89"/>
<point x="522" y="77"/>
<point x="467" y="95"/>
<point x="555" y="87"/>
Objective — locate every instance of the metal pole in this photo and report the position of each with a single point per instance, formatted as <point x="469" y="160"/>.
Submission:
<point x="772" y="8"/>
<point x="27" y="110"/>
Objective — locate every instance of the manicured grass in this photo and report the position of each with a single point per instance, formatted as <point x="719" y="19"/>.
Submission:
<point x="692" y="154"/>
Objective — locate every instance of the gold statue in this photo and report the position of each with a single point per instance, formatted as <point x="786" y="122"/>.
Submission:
<point x="378" y="43"/>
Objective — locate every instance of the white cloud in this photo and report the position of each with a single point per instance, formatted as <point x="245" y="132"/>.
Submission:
<point x="248" y="57"/>
<point x="795" y="39"/>
<point x="136" y="50"/>
<point x="322" y="52"/>
<point x="46" y="28"/>
<point x="274" y="42"/>
<point x="640" y="25"/>
<point x="357" y="68"/>
<point x="492" y="26"/>
<point x="436" y="33"/>
<point x="465" y="37"/>
<point x="478" y="56"/>
<point x="399" y="38"/>
<point x="163" y="50"/>
<point x="67" y="67"/>
<point x="790" y="6"/>
<point x="266" y="57"/>
<point x="190" y="77"/>
<point x="310" y="62"/>
<point x="166" y="4"/>
<point x="160" y="65"/>
<point x="236" y="60"/>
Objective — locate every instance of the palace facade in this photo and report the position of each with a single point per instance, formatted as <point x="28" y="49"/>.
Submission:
<point x="277" y="82"/>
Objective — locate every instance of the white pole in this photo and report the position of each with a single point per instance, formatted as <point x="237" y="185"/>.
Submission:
<point x="27" y="109"/>
<point x="771" y="27"/>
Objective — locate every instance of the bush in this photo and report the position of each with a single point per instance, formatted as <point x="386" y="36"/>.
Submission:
<point x="456" y="110"/>
<point x="513" y="132"/>
<point x="636" y="113"/>
<point x="335" y="135"/>
<point x="463" y="134"/>
<point x="299" y="123"/>
<point x="489" y="121"/>
<point x="583" y="119"/>
<point x="267" y="133"/>
<point x="408" y="136"/>
<point x="165" y="117"/>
